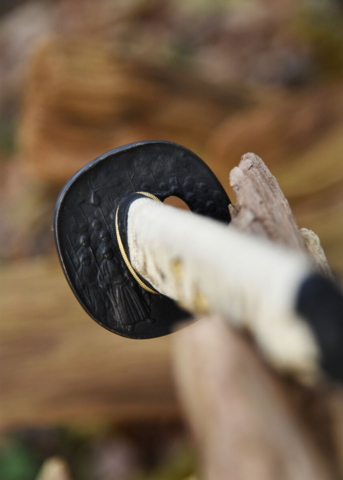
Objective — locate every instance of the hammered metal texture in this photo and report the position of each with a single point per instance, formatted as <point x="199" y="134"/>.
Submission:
<point x="85" y="230"/>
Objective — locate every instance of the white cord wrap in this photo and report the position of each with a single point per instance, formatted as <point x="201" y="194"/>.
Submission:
<point x="206" y="266"/>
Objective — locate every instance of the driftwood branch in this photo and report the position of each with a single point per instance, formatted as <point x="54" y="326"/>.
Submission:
<point x="242" y="416"/>
<point x="262" y="208"/>
<point x="315" y="250"/>
<point x="249" y="422"/>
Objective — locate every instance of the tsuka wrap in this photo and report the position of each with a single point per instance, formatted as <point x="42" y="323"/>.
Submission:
<point x="206" y="266"/>
<point x="123" y="210"/>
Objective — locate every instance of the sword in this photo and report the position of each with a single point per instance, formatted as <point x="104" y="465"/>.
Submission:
<point x="195" y="259"/>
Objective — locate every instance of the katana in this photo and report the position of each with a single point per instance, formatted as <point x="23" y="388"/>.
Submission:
<point x="138" y="266"/>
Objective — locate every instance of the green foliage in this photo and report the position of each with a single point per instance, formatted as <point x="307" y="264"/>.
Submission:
<point x="7" y="134"/>
<point x="17" y="462"/>
<point x="322" y="30"/>
<point x="179" y="465"/>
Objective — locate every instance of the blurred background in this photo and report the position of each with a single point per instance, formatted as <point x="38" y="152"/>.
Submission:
<point x="78" y="78"/>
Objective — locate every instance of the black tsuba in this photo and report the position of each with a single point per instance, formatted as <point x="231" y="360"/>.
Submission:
<point x="84" y="226"/>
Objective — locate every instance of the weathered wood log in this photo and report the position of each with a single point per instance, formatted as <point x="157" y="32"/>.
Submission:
<point x="82" y="100"/>
<point x="57" y="365"/>
<point x="315" y="250"/>
<point x="261" y="207"/>
<point x="248" y="422"/>
<point x="242" y="416"/>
